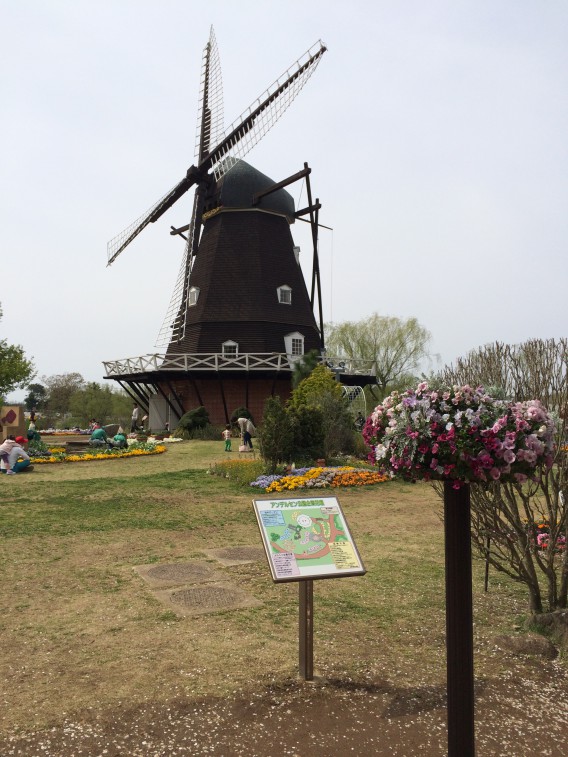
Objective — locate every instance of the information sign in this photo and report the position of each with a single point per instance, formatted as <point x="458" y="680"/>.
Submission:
<point x="307" y="538"/>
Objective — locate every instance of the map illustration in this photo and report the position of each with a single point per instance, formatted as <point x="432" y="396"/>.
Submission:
<point x="307" y="538"/>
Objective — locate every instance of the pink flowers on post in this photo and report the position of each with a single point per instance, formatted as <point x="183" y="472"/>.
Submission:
<point x="459" y="433"/>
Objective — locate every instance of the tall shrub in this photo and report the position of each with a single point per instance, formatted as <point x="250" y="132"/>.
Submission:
<point x="275" y="434"/>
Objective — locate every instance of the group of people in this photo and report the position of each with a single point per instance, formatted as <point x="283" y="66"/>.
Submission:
<point x="100" y="438"/>
<point x="14" y="458"/>
<point x="247" y="429"/>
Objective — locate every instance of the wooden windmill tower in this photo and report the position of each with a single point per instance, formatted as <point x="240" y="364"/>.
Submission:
<point x="241" y="314"/>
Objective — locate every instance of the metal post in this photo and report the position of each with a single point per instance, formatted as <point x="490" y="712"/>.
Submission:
<point x="306" y="629"/>
<point x="459" y="621"/>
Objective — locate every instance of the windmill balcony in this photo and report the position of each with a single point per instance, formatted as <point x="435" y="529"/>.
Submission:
<point x="217" y="361"/>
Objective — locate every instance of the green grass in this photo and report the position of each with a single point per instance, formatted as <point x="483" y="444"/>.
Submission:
<point x="78" y="622"/>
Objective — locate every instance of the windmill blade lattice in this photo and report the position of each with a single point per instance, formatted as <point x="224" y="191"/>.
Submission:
<point x="258" y="119"/>
<point x="210" y="124"/>
<point x="173" y="326"/>
<point x="122" y="240"/>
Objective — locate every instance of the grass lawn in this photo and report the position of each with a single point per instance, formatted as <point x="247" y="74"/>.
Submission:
<point x="80" y="629"/>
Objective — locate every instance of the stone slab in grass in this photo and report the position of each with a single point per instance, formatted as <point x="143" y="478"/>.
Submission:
<point x="164" y="575"/>
<point x="206" y="598"/>
<point x="239" y="555"/>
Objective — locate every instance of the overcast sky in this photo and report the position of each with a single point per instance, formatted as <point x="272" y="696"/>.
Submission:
<point x="437" y="131"/>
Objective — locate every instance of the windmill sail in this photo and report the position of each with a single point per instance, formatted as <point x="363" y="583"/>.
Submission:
<point x="264" y="112"/>
<point x="210" y="124"/>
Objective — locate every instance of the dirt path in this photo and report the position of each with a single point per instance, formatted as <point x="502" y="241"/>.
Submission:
<point x="522" y="714"/>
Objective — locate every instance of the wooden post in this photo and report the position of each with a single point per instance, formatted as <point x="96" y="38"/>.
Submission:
<point x="459" y="621"/>
<point x="306" y="628"/>
<point x="487" y="548"/>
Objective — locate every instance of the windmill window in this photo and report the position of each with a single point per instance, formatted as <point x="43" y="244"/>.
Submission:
<point x="285" y="295"/>
<point x="193" y="296"/>
<point x="294" y="345"/>
<point x="230" y="349"/>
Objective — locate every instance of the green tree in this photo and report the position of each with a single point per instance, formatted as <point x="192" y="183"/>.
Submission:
<point x="60" y="389"/>
<point x="303" y="367"/>
<point x="308" y="433"/>
<point x="310" y="390"/>
<point x="387" y="347"/>
<point x="92" y="401"/>
<point x="321" y="392"/>
<point x="35" y="398"/>
<point x="275" y="434"/>
<point x="15" y="369"/>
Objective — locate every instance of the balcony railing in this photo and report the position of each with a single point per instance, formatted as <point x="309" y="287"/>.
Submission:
<point x="217" y="361"/>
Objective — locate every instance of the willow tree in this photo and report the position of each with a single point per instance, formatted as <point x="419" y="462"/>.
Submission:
<point x="390" y="348"/>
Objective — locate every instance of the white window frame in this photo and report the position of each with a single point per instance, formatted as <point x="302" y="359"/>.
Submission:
<point x="230" y="352"/>
<point x="294" y="346"/>
<point x="193" y="296"/>
<point x="284" y="294"/>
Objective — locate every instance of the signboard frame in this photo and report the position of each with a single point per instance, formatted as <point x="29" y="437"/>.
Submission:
<point x="323" y="519"/>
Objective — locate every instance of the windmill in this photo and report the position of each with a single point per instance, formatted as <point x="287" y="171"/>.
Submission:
<point x="240" y="298"/>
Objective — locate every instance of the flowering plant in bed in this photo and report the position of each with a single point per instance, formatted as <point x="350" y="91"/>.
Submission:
<point x="459" y="433"/>
<point x="136" y="450"/>
<point x="319" y="478"/>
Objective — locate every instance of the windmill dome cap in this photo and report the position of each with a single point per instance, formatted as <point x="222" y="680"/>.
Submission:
<point x="237" y="187"/>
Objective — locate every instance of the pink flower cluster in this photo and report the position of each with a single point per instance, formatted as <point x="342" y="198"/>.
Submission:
<point x="459" y="433"/>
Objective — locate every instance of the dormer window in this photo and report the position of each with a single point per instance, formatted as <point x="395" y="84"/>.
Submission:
<point x="284" y="295"/>
<point x="230" y="348"/>
<point x="193" y="296"/>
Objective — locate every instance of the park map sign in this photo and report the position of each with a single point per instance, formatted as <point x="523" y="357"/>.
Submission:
<point x="307" y="538"/>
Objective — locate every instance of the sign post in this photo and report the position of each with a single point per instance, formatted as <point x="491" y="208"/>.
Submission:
<point x="305" y="539"/>
<point x="306" y="627"/>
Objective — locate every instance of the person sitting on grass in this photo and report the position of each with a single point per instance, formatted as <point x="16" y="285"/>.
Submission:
<point x="18" y="459"/>
<point x="5" y="449"/>
<point x="98" y="436"/>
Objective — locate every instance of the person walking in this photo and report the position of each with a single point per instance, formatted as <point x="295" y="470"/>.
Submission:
<point x="134" y="419"/>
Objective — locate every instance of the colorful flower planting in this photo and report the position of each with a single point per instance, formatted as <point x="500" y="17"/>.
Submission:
<point x="59" y="456"/>
<point x="319" y="478"/>
<point x="461" y="434"/>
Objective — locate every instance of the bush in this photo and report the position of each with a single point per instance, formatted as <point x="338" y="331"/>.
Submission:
<point x="339" y="435"/>
<point x="189" y="422"/>
<point x="308" y="433"/>
<point x="276" y="435"/>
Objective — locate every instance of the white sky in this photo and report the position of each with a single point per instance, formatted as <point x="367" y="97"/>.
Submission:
<point x="436" y="131"/>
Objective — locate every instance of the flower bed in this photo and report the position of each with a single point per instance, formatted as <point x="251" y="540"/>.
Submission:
<point x="319" y="478"/>
<point x="110" y="454"/>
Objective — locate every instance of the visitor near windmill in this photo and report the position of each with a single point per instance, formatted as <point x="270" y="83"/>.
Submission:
<point x="134" y="419"/>
<point x="227" y="437"/>
<point x="247" y="430"/>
